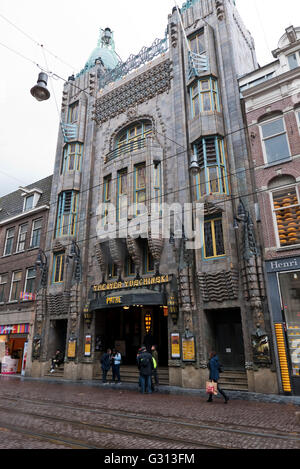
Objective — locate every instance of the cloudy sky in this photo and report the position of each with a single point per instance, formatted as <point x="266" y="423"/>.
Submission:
<point x="69" y="31"/>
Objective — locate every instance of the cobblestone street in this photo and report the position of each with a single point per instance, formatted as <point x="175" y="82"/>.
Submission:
<point x="40" y="414"/>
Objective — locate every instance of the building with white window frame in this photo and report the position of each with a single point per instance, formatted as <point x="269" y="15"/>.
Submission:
<point x="271" y="101"/>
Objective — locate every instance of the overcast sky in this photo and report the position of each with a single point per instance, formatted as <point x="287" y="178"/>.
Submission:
<point x="70" y="29"/>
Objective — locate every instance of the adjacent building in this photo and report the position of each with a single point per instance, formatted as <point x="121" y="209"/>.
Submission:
<point x="163" y="129"/>
<point x="23" y="226"/>
<point x="271" y="99"/>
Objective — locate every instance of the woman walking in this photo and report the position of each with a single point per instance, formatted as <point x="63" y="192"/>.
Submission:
<point x="214" y="374"/>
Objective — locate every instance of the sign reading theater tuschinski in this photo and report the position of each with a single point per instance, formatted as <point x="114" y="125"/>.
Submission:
<point x="142" y="282"/>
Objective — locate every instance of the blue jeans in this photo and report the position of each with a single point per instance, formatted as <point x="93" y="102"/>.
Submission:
<point x="116" y="372"/>
<point x="145" y="383"/>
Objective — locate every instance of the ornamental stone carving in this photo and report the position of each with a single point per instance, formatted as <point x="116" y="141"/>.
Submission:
<point x="138" y="90"/>
<point x="219" y="286"/>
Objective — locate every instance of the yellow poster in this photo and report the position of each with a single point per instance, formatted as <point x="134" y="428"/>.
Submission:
<point x="188" y="349"/>
<point x="72" y="349"/>
<point x="175" y="345"/>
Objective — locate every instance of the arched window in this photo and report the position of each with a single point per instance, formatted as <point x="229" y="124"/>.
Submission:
<point x="286" y="209"/>
<point x="133" y="138"/>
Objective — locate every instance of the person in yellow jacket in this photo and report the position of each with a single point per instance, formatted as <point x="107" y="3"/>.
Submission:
<point x="155" y="365"/>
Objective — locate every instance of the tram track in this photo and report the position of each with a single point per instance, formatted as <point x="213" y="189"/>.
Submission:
<point x="199" y="426"/>
<point x="96" y="428"/>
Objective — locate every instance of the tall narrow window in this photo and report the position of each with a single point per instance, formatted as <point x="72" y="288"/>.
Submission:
<point x="28" y="204"/>
<point x="58" y="267"/>
<point x="212" y="176"/>
<point x="298" y="118"/>
<point x="73" y="113"/>
<point x="213" y="239"/>
<point x="197" y="42"/>
<point x="294" y="60"/>
<point x="287" y="213"/>
<point x="204" y="96"/>
<point x="106" y="197"/>
<point x="149" y="261"/>
<point x="36" y="233"/>
<point x="130" y="266"/>
<point x="30" y="280"/>
<point x="140" y="185"/>
<point x="15" y="289"/>
<point x="122" y="195"/>
<point x="112" y="270"/>
<point x="72" y="157"/>
<point x="157" y="183"/>
<point x="275" y="140"/>
<point x="3" y="283"/>
<point x="22" y="237"/>
<point x="9" y="241"/>
<point x="67" y="214"/>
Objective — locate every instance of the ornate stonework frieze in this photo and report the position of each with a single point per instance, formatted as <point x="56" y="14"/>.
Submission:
<point x="219" y="286"/>
<point x="58" y="304"/>
<point x="146" y="86"/>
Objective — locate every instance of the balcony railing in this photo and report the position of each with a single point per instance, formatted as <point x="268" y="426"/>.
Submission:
<point x="134" y="145"/>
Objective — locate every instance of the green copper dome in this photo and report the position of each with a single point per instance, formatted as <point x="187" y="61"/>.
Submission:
<point x="108" y="57"/>
<point x="105" y="50"/>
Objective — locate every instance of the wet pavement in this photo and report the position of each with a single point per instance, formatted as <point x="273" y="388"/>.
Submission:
<point x="56" y="414"/>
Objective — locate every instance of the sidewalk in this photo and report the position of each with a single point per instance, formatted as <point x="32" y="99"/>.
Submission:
<point x="233" y="395"/>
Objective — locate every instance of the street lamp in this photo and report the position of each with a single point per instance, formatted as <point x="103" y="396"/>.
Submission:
<point x="40" y="91"/>
<point x="194" y="166"/>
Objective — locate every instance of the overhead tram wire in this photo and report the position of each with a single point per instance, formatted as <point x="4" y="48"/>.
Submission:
<point x="236" y="174"/>
<point x="36" y="42"/>
<point x="221" y="202"/>
<point x="185" y="151"/>
<point x="168" y="157"/>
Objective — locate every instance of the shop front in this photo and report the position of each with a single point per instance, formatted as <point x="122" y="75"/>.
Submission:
<point x="13" y="348"/>
<point x="284" y="297"/>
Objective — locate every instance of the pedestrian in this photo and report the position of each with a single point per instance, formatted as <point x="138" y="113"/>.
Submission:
<point x="57" y="360"/>
<point x="145" y="365"/>
<point x="214" y="374"/>
<point x="105" y="364"/>
<point x="137" y="361"/>
<point x="155" y="365"/>
<point x="116" y="363"/>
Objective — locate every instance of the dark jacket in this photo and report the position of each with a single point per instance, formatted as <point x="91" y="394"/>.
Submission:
<point x="214" y="367"/>
<point x="105" y="361"/>
<point x="145" y="364"/>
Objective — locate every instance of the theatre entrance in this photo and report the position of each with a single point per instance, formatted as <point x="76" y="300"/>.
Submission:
<point x="127" y="329"/>
<point x="226" y="337"/>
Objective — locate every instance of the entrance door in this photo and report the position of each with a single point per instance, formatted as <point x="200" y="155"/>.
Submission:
<point x="57" y="336"/>
<point x="126" y="329"/>
<point x="229" y="344"/>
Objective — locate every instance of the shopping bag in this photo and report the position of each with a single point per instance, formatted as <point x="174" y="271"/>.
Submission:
<point x="211" y="388"/>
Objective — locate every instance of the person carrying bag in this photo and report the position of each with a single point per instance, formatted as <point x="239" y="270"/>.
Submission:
<point x="213" y="387"/>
